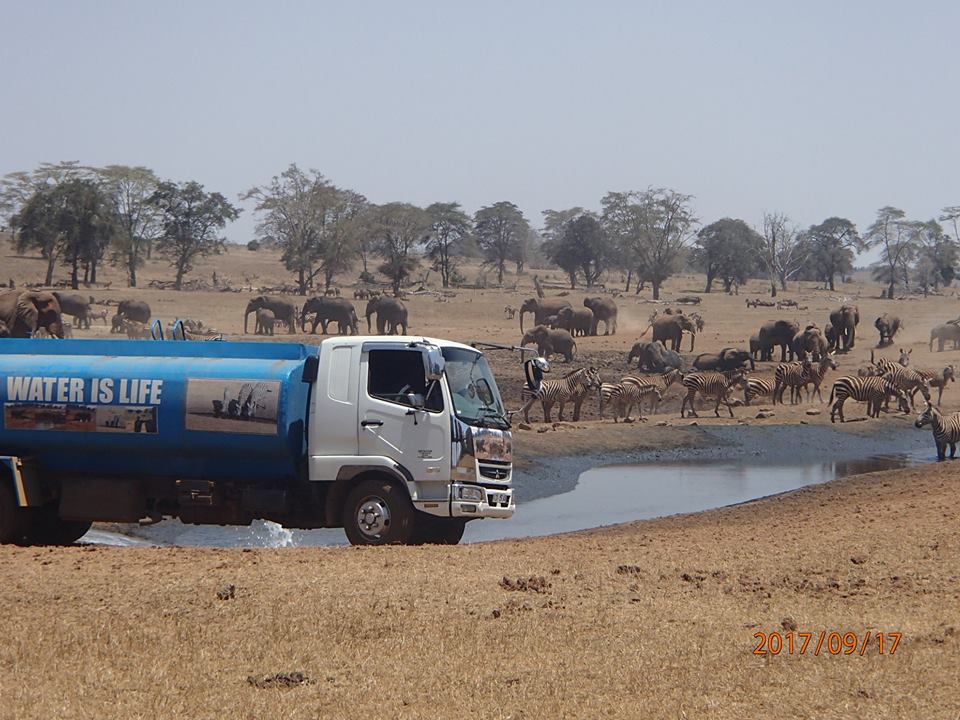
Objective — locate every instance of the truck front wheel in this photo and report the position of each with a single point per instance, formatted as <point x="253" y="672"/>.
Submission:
<point x="11" y="515"/>
<point x="377" y="512"/>
<point x="46" y="528"/>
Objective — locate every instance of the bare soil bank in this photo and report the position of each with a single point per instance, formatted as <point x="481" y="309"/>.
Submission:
<point x="651" y="619"/>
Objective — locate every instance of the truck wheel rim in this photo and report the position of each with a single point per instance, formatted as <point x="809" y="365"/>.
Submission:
<point x="373" y="517"/>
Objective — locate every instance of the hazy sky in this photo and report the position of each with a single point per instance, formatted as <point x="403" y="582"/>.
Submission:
<point x="813" y="109"/>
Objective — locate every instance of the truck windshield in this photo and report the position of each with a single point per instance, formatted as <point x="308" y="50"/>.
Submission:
<point x="476" y="398"/>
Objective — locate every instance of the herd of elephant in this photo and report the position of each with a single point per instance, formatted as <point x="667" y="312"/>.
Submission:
<point x="269" y="310"/>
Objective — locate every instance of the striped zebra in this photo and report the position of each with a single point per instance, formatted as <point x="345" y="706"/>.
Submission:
<point x="793" y="375"/>
<point x="816" y="373"/>
<point x="711" y="384"/>
<point x="946" y="430"/>
<point x="623" y="396"/>
<point x="660" y="382"/>
<point x="906" y="379"/>
<point x="936" y="380"/>
<point x="756" y="387"/>
<point x="572" y="388"/>
<point x="871" y="390"/>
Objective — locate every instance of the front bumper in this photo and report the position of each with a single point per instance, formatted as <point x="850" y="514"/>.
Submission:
<point x="476" y="501"/>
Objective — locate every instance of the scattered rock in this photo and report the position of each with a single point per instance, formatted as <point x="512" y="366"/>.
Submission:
<point x="858" y="559"/>
<point x="789" y="624"/>
<point x="524" y="426"/>
<point x="227" y="592"/>
<point x="693" y="424"/>
<point x="279" y="680"/>
<point x="813" y="411"/>
<point x="534" y="583"/>
<point x="543" y="429"/>
<point x="496" y="613"/>
<point x="629" y="570"/>
<point x="662" y="423"/>
<point x="764" y="414"/>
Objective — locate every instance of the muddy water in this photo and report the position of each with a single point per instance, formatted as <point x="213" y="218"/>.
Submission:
<point x="568" y="494"/>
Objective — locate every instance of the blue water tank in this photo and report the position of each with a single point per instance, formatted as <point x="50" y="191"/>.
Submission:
<point x="144" y="408"/>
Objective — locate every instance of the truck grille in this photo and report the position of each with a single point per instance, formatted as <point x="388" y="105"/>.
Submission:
<point x="494" y="469"/>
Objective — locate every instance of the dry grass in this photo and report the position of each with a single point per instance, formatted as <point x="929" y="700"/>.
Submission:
<point x="653" y="619"/>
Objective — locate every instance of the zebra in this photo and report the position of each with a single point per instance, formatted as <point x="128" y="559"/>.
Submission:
<point x="937" y="380"/>
<point x="793" y="375"/>
<point x="871" y="390"/>
<point x="572" y="387"/>
<point x="711" y="384"/>
<point x="906" y="379"/>
<point x="661" y="382"/>
<point x="946" y="430"/>
<point x="756" y="387"/>
<point x="623" y="396"/>
<point x="816" y="374"/>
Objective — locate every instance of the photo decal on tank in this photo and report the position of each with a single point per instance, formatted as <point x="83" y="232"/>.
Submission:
<point x="492" y="444"/>
<point x="72" y="404"/>
<point x="237" y="406"/>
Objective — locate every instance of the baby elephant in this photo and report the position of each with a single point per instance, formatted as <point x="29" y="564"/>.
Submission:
<point x="266" y="321"/>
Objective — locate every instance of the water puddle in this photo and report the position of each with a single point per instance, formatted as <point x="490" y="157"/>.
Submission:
<point x="601" y="496"/>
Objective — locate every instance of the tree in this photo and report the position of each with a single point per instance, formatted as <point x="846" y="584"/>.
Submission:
<point x="448" y="238"/>
<point x="833" y="244"/>
<point x="190" y="219"/>
<point x="128" y="190"/>
<point x="783" y="250"/>
<point x="653" y="229"/>
<point x="727" y="250"/>
<point x="951" y="215"/>
<point x="582" y="248"/>
<point x="500" y="229"/>
<point x="936" y="255"/>
<point x="397" y="229"/>
<point x="299" y="212"/>
<point x="70" y="219"/>
<point x="897" y="240"/>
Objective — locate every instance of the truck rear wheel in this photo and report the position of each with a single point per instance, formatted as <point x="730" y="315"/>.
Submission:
<point x="46" y="528"/>
<point x="11" y="515"/>
<point x="377" y="512"/>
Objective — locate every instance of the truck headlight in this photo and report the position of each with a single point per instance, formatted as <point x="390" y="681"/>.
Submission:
<point x="470" y="493"/>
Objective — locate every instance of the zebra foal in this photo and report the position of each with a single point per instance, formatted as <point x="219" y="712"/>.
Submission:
<point x="571" y="388"/>
<point x="623" y="396"/>
<point x="946" y="430"/>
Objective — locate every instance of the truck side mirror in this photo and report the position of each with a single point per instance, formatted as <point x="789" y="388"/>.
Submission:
<point x="433" y="363"/>
<point x="535" y="368"/>
<point x="416" y="401"/>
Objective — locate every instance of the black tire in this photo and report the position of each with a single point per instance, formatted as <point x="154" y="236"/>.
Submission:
<point x="437" y="531"/>
<point x="11" y="514"/>
<point x="46" y="528"/>
<point x="378" y="512"/>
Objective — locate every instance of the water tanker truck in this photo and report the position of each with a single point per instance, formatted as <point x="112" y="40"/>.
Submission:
<point x="397" y="440"/>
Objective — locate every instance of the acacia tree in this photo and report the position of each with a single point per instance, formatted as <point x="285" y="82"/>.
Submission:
<point x="70" y="219"/>
<point x="449" y="235"/>
<point x="951" y="216"/>
<point x="936" y="255"/>
<point x="583" y="249"/>
<point x="397" y="229"/>
<point x="500" y="229"/>
<point x="832" y="245"/>
<point x="190" y="219"/>
<point x="726" y="250"/>
<point x="783" y="251"/>
<point x="299" y="211"/>
<point x="128" y="190"/>
<point x="897" y="240"/>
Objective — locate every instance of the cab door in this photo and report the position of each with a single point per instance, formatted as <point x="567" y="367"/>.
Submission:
<point x="400" y="414"/>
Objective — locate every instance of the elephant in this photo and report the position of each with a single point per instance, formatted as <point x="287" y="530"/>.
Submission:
<point x="756" y="349"/>
<point x="830" y="335"/>
<point x="265" y="321"/>
<point x="326" y="310"/>
<point x="774" y="333"/>
<point x="541" y="309"/>
<point x="809" y="342"/>
<point x="604" y="310"/>
<point x="887" y="325"/>
<point x="726" y="359"/>
<point x="4" y="330"/>
<point x="654" y="357"/>
<point x="576" y="321"/>
<point x="136" y="310"/>
<point x="556" y="342"/>
<point x="942" y="333"/>
<point x="281" y="308"/>
<point x="844" y="321"/>
<point x="669" y="329"/>
<point x="76" y="306"/>
<point x="23" y="312"/>
<point x="391" y="313"/>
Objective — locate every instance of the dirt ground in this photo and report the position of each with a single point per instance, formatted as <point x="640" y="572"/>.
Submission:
<point x="650" y="619"/>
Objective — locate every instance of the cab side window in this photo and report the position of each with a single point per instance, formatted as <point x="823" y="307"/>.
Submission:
<point x="393" y="375"/>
